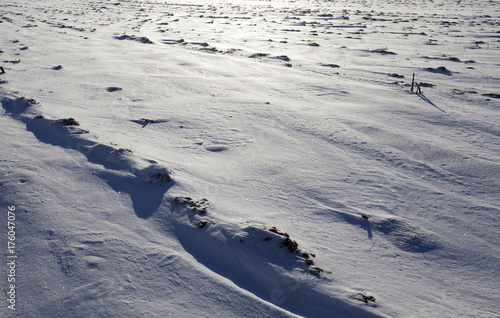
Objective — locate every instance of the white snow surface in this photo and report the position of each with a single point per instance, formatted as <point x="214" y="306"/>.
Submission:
<point x="250" y="158"/>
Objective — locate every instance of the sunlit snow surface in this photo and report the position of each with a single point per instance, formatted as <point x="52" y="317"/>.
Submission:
<point x="251" y="158"/>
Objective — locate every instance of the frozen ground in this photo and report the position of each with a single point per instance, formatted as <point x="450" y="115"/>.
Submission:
<point x="250" y="158"/>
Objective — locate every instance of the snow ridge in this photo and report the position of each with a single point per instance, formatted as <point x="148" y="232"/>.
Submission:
<point x="122" y="168"/>
<point x="262" y="260"/>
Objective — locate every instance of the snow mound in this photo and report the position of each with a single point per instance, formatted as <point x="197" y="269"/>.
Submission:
<point x="66" y="133"/>
<point x="141" y="39"/>
<point x="399" y="232"/>
<point x="407" y="236"/>
<point x="260" y="259"/>
<point x="122" y="169"/>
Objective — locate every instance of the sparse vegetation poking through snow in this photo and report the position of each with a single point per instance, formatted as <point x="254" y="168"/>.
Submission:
<point x="68" y="122"/>
<point x="415" y="85"/>
<point x="331" y="65"/>
<point x="28" y="101"/>
<point x="275" y="230"/>
<point x="199" y="206"/>
<point x="258" y="55"/>
<point x="423" y="84"/>
<point x="396" y="75"/>
<point x="440" y="70"/>
<point x="461" y="92"/>
<point x="283" y="58"/>
<point x="366" y="298"/>
<point x="159" y="177"/>
<point x="293" y="247"/>
<point x="493" y="95"/>
<point x="384" y="51"/>
<point x="141" y="39"/>
<point x="32" y="101"/>
<point x="201" y="224"/>
<point x="148" y="121"/>
<point x="211" y="49"/>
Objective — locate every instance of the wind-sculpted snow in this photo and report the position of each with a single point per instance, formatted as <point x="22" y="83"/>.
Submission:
<point x="401" y="233"/>
<point x="251" y="159"/>
<point x="261" y="260"/>
<point x="123" y="170"/>
<point x="408" y="237"/>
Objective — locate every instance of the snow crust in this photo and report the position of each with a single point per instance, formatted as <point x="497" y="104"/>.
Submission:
<point x="251" y="158"/>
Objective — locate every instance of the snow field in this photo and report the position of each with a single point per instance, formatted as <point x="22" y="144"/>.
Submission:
<point x="288" y="117"/>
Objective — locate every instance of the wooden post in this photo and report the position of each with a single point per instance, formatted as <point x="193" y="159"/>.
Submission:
<point x="412" y="82"/>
